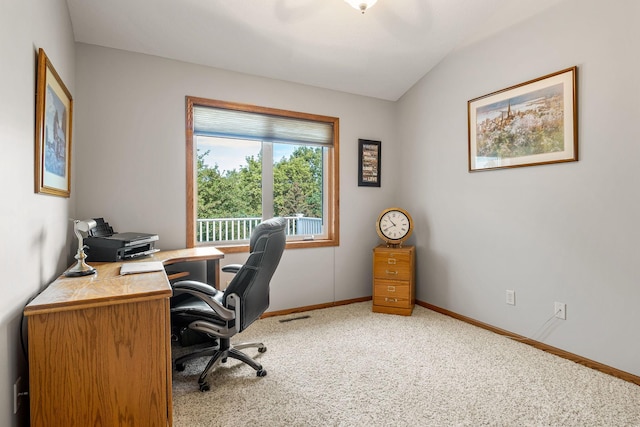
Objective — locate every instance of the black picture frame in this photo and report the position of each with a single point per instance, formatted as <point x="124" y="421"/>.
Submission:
<point x="369" y="167"/>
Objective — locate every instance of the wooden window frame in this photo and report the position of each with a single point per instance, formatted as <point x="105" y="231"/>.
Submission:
<point x="332" y="175"/>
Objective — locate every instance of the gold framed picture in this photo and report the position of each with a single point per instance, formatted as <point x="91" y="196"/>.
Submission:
<point x="54" y="113"/>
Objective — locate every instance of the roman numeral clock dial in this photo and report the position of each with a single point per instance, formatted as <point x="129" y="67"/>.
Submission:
<point x="394" y="226"/>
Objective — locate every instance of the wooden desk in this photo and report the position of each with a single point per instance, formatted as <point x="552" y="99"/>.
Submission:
<point x="100" y="346"/>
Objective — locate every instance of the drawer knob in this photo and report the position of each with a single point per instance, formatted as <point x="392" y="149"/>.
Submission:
<point x="392" y="272"/>
<point x="391" y="288"/>
<point x="391" y="299"/>
<point x="391" y="261"/>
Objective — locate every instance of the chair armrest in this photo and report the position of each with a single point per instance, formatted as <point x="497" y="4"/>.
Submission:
<point x="231" y="268"/>
<point x="206" y="293"/>
<point x="192" y="285"/>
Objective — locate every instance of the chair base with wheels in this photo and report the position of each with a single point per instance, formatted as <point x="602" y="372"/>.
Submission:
<point x="220" y="355"/>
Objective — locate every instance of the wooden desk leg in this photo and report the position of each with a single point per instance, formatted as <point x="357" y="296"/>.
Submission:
<point x="213" y="275"/>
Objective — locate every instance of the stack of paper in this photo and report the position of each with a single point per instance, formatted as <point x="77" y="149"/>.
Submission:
<point x="141" y="267"/>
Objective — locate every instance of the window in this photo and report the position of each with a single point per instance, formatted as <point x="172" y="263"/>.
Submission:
<point x="246" y="163"/>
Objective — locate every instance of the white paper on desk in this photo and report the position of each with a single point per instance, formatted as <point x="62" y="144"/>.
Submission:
<point x="141" y="267"/>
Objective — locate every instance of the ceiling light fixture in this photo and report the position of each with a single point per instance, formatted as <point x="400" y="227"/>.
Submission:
<point x="361" y="5"/>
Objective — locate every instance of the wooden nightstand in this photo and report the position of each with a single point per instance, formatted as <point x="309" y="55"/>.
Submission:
<point x="394" y="280"/>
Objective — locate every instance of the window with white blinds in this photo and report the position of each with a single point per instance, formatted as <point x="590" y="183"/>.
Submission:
<point x="247" y="163"/>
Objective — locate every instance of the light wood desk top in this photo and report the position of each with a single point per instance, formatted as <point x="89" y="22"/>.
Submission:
<point x="108" y="287"/>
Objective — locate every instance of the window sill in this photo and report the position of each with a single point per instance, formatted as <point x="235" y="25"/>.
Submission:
<point x="295" y="244"/>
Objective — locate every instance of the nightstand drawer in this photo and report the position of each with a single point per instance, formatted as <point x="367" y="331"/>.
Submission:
<point x="386" y="288"/>
<point x="394" y="255"/>
<point x="392" y="301"/>
<point x="392" y="268"/>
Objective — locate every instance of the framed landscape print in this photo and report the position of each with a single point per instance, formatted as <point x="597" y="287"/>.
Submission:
<point x="54" y="111"/>
<point x="369" y="163"/>
<point x="533" y="123"/>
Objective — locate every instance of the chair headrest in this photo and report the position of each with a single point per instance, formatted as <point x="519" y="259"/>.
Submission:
<point x="266" y="227"/>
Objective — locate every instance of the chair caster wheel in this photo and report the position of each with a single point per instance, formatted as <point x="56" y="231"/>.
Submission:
<point x="262" y="349"/>
<point x="180" y="367"/>
<point x="261" y="373"/>
<point x="204" y="387"/>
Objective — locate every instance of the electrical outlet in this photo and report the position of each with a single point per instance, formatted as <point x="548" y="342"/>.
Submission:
<point x="511" y="297"/>
<point x="16" y="394"/>
<point x="560" y="309"/>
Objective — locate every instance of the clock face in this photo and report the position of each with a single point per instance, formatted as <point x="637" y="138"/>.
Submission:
<point x="394" y="225"/>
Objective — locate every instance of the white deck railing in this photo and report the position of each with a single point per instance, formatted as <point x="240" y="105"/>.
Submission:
<point x="233" y="229"/>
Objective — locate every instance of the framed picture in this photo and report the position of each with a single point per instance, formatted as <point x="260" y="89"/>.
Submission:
<point x="54" y="111"/>
<point x="533" y="123"/>
<point x="369" y="163"/>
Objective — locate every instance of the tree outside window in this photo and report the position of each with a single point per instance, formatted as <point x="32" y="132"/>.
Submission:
<point x="240" y="181"/>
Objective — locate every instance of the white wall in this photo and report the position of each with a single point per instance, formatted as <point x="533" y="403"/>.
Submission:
<point x="552" y="233"/>
<point x="34" y="229"/>
<point x="131" y="160"/>
<point x="564" y="232"/>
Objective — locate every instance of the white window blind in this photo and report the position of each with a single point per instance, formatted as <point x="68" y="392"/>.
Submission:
<point x="225" y="123"/>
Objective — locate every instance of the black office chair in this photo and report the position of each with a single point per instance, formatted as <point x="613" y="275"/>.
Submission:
<point x="222" y="314"/>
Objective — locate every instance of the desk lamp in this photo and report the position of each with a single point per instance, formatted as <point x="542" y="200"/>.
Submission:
<point x="81" y="268"/>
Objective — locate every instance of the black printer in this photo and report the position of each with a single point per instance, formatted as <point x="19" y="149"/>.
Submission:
<point x="106" y="245"/>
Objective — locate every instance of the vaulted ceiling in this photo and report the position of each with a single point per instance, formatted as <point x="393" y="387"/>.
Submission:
<point x="323" y="43"/>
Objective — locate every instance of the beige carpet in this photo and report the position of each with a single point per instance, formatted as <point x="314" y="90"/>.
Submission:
<point x="347" y="366"/>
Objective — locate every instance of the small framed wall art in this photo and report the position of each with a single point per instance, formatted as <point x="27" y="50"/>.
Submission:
<point x="533" y="123"/>
<point x="54" y="111"/>
<point x="369" y="155"/>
